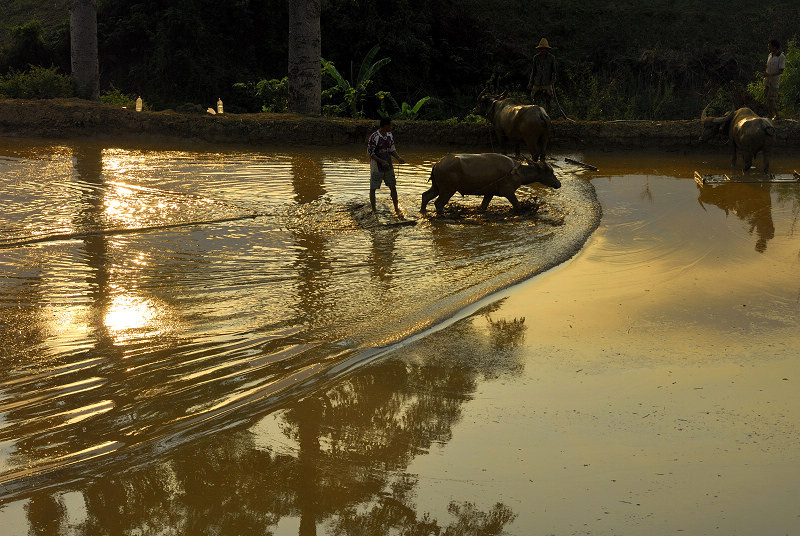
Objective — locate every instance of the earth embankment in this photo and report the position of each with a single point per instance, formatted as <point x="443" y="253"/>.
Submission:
<point x="66" y="118"/>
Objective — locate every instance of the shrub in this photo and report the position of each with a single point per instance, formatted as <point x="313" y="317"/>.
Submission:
<point x="272" y="95"/>
<point x="790" y="80"/>
<point x="36" y="83"/>
<point x="116" y="97"/>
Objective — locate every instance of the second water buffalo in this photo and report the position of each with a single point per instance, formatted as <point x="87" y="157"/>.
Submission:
<point x="516" y="123"/>
<point x="746" y="131"/>
<point x="487" y="174"/>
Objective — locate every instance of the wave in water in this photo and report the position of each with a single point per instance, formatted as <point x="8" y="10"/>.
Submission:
<point x="152" y="297"/>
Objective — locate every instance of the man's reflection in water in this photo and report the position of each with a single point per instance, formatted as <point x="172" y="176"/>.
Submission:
<point x="382" y="254"/>
<point x="751" y="203"/>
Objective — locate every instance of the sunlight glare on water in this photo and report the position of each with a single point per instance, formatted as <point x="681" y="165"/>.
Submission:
<point x="159" y="295"/>
<point x="214" y="341"/>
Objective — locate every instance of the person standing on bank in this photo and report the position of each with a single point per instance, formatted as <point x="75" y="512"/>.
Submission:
<point x="776" y="63"/>
<point x="381" y="149"/>
<point x="543" y="75"/>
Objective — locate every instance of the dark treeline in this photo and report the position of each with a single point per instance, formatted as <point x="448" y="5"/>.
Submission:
<point x="662" y="59"/>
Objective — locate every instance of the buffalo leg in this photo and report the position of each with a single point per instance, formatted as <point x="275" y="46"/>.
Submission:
<point x="513" y="198"/>
<point x="441" y="201"/>
<point x="427" y="197"/>
<point x="486" y="199"/>
<point x="533" y="147"/>
<point x="748" y="160"/>
<point x="501" y="139"/>
<point x="542" y="145"/>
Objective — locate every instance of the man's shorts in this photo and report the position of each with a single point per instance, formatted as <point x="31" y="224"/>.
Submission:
<point x="385" y="176"/>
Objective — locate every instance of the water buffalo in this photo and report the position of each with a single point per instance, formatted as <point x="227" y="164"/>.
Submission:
<point x="746" y="132"/>
<point x="517" y="123"/>
<point x="487" y="174"/>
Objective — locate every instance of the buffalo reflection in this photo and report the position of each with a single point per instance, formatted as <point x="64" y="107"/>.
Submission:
<point x="751" y="203"/>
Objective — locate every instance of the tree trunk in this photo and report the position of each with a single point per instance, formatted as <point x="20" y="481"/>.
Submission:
<point x="305" y="50"/>
<point x="83" y="44"/>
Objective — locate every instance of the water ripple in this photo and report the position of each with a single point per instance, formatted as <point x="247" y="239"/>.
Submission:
<point x="166" y="295"/>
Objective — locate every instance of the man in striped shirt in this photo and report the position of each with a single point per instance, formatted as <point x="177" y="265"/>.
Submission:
<point x="381" y="149"/>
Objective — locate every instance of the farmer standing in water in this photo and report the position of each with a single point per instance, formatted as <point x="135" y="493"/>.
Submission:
<point x="381" y="149"/>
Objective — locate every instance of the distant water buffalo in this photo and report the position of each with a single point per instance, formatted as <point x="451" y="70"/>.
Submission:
<point x="517" y="123"/>
<point x="747" y="132"/>
<point x="487" y="174"/>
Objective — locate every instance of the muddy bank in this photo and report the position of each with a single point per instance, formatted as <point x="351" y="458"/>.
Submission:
<point x="59" y="118"/>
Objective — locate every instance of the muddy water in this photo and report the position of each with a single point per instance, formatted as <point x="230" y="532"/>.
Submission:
<point x="225" y="342"/>
<point x="153" y="298"/>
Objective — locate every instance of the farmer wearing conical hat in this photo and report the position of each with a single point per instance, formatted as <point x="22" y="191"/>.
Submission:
<point x="543" y="75"/>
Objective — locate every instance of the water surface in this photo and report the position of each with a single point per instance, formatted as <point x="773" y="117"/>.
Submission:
<point x="200" y="341"/>
<point x="152" y="297"/>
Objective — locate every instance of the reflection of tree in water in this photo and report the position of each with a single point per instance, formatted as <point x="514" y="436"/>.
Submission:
<point x="504" y="334"/>
<point x="751" y="203"/>
<point x="45" y="514"/>
<point x="646" y="193"/>
<point x="790" y="193"/>
<point x="343" y="470"/>
<point x="352" y="444"/>
<point x="308" y="179"/>
<point x="312" y="263"/>
<point x="482" y="342"/>
<point x="87" y="162"/>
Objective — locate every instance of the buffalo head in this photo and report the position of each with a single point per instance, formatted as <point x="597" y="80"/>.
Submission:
<point x="539" y="172"/>
<point x="485" y="102"/>
<point x="714" y="126"/>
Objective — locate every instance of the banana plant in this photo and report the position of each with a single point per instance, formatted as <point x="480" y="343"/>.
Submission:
<point x="353" y="93"/>
<point x="411" y="112"/>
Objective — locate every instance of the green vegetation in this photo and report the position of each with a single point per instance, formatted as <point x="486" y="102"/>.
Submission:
<point x="345" y="98"/>
<point x="616" y="59"/>
<point x="52" y="14"/>
<point x="272" y="95"/>
<point x="37" y="83"/>
<point x="115" y="97"/>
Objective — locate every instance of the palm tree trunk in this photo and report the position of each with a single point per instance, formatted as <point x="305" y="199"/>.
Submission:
<point x="305" y="50"/>
<point x="83" y="43"/>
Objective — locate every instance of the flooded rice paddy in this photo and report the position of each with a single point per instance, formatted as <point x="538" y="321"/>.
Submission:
<point x="206" y="341"/>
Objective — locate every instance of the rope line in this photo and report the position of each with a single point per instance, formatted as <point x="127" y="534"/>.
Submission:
<point x="114" y="232"/>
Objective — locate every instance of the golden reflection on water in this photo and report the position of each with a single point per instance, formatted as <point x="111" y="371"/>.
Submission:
<point x="129" y="313"/>
<point x="153" y="367"/>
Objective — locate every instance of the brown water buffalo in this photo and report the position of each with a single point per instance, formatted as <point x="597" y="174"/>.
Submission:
<point x="746" y="132"/>
<point x="517" y="123"/>
<point x="487" y="174"/>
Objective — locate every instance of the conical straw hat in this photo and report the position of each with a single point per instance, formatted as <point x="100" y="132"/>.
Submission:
<point x="543" y="43"/>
